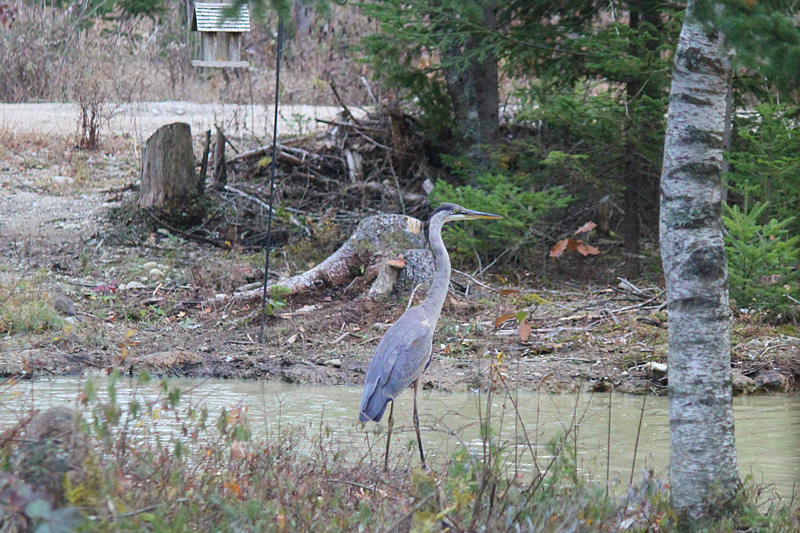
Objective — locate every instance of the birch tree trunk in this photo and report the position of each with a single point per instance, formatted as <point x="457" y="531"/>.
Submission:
<point x="703" y="471"/>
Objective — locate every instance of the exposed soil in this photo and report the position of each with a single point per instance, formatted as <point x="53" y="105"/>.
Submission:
<point x="59" y="232"/>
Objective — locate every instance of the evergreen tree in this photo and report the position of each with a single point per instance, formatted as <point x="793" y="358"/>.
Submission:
<point x="596" y="78"/>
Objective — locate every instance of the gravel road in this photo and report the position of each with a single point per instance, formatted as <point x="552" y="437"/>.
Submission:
<point x="142" y="119"/>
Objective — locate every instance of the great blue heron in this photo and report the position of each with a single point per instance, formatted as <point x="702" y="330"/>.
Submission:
<point x="405" y="350"/>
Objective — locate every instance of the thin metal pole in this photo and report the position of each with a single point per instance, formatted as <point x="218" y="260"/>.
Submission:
<point x="272" y="178"/>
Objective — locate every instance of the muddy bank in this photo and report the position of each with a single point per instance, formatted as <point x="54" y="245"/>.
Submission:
<point x="139" y="291"/>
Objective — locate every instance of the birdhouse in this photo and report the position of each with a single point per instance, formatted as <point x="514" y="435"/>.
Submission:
<point x="220" y="36"/>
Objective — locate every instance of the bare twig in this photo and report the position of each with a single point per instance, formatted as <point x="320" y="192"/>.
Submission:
<point x="182" y="233"/>
<point x="348" y="125"/>
<point x="369" y="90"/>
<point x="124" y="188"/>
<point x="341" y="102"/>
<point x="474" y="280"/>
<point x="265" y="205"/>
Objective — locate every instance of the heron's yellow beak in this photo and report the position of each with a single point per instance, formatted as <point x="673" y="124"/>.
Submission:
<point x="469" y="214"/>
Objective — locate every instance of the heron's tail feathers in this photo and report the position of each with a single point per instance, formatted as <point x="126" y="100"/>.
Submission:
<point x="373" y="407"/>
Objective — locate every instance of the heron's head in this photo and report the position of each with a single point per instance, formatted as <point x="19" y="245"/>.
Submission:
<point x="449" y="212"/>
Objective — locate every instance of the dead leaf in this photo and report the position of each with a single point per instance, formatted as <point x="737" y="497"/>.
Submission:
<point x="559" y="248"/>
<point x="237" y="450"/>
<point x="524" y="331"/>
<point x="589" y="226"/>
<point x="503" y="318"/>
<point x="587" y="249"/>
<point x="396" y="263"/>
<point x="506" y="292"/>
<point x="292" y="339"/>
<point x="233" y="487"/>
<point x="573" y="245"/>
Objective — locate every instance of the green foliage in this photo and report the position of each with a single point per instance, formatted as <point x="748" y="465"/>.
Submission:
<point x="148" y="8"/>
<point x="761" y="258"/>
<point x="28" y="317"/>
<point x="24" y="509"/>
<point x="401" y="53"/>
<point x="764" y="34"/>
<point x="765" y="162"/>
<point x="520" y="208"/>
<point x="595" y="88"/>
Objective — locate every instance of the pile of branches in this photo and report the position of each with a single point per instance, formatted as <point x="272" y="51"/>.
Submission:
<point x="356" y="167"/>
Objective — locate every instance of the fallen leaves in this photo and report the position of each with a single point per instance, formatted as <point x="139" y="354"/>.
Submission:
<point x="525" y="330"/>
<point x="524" y="325"/>
<point x="575" y="245"/>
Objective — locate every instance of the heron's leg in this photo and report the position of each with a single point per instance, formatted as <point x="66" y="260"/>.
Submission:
<point x="416" y="425"/>
<point x="389" y="436"/>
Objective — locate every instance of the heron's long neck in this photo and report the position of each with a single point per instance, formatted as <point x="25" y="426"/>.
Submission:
<point x="441" y="279"/>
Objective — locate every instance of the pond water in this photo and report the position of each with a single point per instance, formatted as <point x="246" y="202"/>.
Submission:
<point x="767" y="427"/>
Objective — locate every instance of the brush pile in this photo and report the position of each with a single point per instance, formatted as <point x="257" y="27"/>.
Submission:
<point x="356" y="167"/>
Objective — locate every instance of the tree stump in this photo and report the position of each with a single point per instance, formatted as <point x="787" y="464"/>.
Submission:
<point x="168" y="176"/>
<point x="377" y="238"/>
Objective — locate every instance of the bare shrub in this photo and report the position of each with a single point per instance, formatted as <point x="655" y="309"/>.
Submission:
<point x="91" y="74"/>
<point x="7" y="15"/>
<point x="177" y="57"/>
<point x="32" y="49"/>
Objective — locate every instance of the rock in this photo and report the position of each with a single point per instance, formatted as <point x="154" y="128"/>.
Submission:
<point x="54" y="448"/>
<point x="155" y="274"/>
<point x="742" y="384"/>
<point x="63" y="180"/>
<point x="171" y="360"/>
<point x="770" y="380"/>
<point x="335" y="363"/>
<point x="149" y="265"/>
<point x="132" y="285"/>
<point x="655" y="368"/>
<point x="602" y="385"/>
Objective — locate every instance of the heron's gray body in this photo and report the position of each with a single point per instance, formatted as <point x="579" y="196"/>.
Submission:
<point x="385" y="378"/>
<point x="405" y="350"/>
<point x="404" y="353"/>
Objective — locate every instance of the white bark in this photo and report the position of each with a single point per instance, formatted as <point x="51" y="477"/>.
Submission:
<point x="703" y="470"/>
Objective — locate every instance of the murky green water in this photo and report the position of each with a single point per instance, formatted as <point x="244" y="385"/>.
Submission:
<point x="767" y="428"/>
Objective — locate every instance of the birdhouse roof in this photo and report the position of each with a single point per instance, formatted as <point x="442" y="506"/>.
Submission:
<point x="210" y="17"/>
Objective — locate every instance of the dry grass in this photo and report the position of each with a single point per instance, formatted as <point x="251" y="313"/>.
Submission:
<point x="136" y="60"/>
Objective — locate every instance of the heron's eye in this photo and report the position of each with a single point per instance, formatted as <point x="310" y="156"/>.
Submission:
<point x="455" y="210"/>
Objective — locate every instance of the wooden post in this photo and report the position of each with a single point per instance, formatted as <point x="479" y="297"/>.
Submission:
<point x="220" y="165"/>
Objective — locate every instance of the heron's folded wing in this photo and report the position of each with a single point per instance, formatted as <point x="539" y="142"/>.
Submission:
<point x="407" y="351"/>
<point x="399" y="359"/>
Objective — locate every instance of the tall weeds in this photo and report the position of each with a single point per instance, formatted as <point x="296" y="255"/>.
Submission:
<point x="161" y="462"/>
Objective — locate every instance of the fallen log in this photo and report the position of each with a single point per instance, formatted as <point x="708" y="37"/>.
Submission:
<point x="375" y="238"/>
